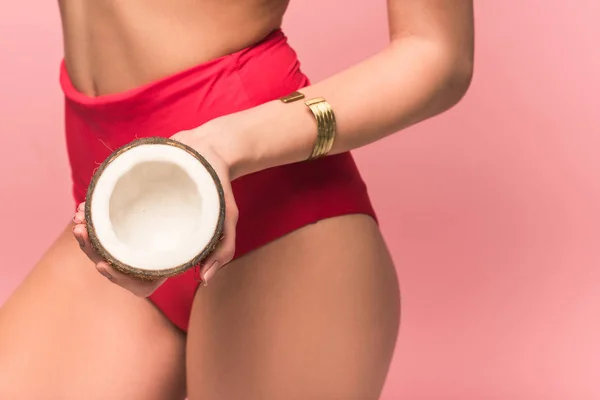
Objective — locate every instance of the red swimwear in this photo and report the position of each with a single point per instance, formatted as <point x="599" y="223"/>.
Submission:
<point x="271" y="203"/>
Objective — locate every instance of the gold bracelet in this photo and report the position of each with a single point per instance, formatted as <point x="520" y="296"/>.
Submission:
<point x="326" y="125"/>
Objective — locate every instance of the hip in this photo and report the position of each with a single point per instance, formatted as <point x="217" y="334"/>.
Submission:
<point x="301" y="193"/>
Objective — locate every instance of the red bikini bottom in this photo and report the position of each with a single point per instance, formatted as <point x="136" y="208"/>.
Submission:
<point x="271" y="203"/>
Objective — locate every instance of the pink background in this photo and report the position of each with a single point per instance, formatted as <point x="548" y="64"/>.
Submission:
<point x="491" y="210"/>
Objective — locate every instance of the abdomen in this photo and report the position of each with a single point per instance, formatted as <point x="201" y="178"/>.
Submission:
<point x="115" y="45"/>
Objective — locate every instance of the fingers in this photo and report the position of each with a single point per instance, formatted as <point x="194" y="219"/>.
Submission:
<point x="106" y="271"/>
<point x="81" y="234"/>
<point x="225" y="249"/>
<point x="136" y="286"/>
<point x="222" y="255"/>
<point x="79" y="217"/>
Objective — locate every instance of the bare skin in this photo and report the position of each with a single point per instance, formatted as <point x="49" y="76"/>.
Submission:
<point x="68" y="333"/>
<point x="300" y="318"/>
<point x="111" y="45"/>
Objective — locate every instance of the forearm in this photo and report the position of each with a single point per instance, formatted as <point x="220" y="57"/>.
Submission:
<point x="412" y="80"/>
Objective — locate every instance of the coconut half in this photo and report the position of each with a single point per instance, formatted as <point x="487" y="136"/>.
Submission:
<point x="154" y="208"/>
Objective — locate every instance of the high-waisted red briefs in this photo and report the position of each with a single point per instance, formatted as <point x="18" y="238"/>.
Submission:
<point x="271" y="203"/>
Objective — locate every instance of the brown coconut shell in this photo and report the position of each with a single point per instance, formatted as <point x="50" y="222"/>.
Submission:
<point x="141" y="273"/>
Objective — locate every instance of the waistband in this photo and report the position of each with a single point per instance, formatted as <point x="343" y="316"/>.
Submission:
<point x="274" y="45"/>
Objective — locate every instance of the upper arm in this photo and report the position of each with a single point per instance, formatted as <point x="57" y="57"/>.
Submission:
<point x="446" y="22"/>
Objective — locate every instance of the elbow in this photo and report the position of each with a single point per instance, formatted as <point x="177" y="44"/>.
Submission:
<point x="458" y="78"/>
<point x="453" y="83"/>
<point x="451" y="80"/>
<point x="446" y="68"/>
<point x="447" y="71"/>
<point x="462" y="77"/>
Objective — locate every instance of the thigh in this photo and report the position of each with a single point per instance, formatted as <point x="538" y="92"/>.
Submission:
<point x="68" y="333"/>
<point x="313" y="315"/>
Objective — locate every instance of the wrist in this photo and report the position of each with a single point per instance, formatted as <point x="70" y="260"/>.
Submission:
<point x="273" y="134"/>
<point x="226" y="137"/>
<point x="262" y="137"/>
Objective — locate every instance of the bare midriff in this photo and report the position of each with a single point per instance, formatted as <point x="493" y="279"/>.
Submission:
<point x="115" y="45"/>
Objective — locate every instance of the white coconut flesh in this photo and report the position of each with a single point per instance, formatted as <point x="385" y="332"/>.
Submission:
<point x="155" y="207"/>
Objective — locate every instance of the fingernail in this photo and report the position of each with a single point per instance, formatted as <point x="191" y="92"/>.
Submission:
<point x="79" y="240"/>
<point x="209" y="273"/>
<point x="105" y="274"/>
<point x="78" y="218"/>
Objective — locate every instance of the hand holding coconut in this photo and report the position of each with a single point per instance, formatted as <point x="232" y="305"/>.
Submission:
<point x="158" y="207"/>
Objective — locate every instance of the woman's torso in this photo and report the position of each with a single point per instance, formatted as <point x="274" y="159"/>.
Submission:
<point x="114" y="45"/>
